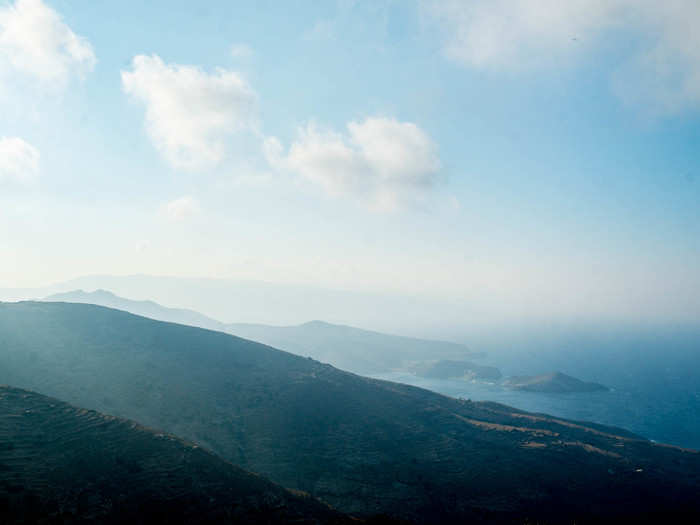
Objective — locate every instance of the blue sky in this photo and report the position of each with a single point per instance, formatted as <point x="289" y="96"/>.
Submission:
<point x="531" y="157"/>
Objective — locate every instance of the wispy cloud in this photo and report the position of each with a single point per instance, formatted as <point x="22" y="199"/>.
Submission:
<point x="35" y="41"/>
<point x="662" y="72"/>
<point x="382" y="161"/>
<point x="190" y="114"/>
<point x="19" y="161"/>
<point x="181" y="209"/>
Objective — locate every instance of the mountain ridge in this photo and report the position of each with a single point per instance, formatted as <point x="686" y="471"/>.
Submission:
<point x="365" y="446"/>
<point x="347" y="347"/>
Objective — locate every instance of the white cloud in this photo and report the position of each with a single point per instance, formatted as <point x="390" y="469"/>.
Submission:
<point x="518" y="33"/>
<point x="35" y="41"/>
<point x="665" y="74"/>
<point x="662" y="71"/>
<point x="190" y="114"/>
<point x="383" y="161"/>
<point x="181" y="209"/>
<point x="19" y="160"/>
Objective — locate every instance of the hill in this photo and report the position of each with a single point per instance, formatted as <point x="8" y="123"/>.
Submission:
<point x="447" y="369"/>
<point x="144" y="308"/>
<point x="364" y="446"/>
<point x="349" y="348"/>
<point x="270" y="303"/>
<point x="555" y="382"/>
<point x="60" y="464"/>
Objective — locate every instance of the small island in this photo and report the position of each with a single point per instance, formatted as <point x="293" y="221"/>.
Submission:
<point x="556" y="382"/>
<point x="449" y="369"/>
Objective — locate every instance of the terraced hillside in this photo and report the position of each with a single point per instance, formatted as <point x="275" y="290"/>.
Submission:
<point x="60" y="464"/>
<point x="364" y="446"/>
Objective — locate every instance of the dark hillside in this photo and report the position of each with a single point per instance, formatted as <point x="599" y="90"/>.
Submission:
<point x="365" y="446"/>
<point x="60" y="464"/>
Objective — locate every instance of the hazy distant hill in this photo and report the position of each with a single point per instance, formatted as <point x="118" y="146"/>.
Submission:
<point x="349" y="348"/>
<point x="447" y="369"/>
<point x="279" y="304"/>
<point x="555" y="382"/>
<point x="60" y="464"/>
<point x="145" y="308"/>
<point x="365" y="446"/>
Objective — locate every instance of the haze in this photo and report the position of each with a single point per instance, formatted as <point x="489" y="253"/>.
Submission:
<point x="412" y="150"/>
<point x="350" y="262"/>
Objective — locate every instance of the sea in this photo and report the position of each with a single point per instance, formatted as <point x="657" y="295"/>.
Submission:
<point x="653" y="377"/>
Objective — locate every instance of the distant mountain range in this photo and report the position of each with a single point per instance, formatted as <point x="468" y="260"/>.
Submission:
<point x="349" y="348"/>
<point x="61" y="464"/>
<point x="144" y="308"/>
<point x="364" y="446"/>
<point x="278" y="304"/>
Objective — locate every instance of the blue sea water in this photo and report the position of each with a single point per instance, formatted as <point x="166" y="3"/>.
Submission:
<point x="654" y="381"/>
<point x="672" y="419"/>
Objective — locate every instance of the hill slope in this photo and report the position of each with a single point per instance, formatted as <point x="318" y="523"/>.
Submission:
<point x="365" y="446"/>
<point x="60" y="464"/>
<point x="349" y="348"/>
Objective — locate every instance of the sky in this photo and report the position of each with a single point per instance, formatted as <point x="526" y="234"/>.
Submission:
<point x="534" y="158"/>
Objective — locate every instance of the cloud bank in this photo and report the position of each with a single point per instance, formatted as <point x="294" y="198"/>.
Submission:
<point x="382" y="161"/>
<point x="190" y="114"/>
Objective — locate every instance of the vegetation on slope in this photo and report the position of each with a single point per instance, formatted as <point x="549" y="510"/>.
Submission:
<point x="60" y="464"/>
<point x="364" y="446"/>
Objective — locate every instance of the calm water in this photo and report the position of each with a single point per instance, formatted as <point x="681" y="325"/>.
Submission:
<point x="668" y="414"/>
